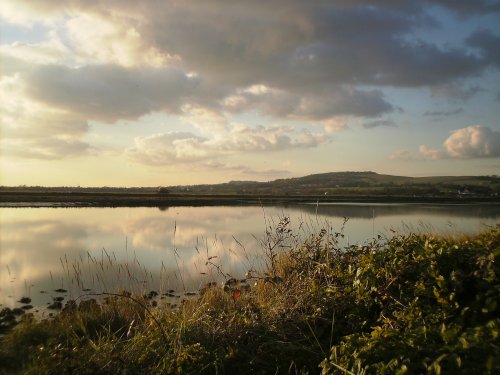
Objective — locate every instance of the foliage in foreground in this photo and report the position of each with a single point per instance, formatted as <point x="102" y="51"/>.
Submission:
<point x="411" y="304"/>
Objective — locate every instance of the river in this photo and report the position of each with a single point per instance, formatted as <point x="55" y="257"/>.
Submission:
<point x="183" y="248"/>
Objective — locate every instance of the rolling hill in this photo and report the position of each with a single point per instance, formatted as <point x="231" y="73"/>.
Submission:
<point x="355" y="183"/>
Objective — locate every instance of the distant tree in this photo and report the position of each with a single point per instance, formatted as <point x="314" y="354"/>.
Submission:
<point x="163" y="190"/>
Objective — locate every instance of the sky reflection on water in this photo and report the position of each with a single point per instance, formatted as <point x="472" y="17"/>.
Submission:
<point x="42" y="249"/>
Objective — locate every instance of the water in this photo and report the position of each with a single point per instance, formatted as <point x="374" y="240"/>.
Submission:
<point x="182" y="248"/>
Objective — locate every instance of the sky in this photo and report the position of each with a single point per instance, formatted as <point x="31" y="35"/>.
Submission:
<point x="149" y="93"/>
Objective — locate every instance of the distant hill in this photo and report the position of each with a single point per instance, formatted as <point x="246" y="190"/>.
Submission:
<point x="348" y="183"/>
<point x="351" y="184"/>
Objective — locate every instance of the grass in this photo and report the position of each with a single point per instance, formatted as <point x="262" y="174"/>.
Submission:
<point x="415" y="303"/>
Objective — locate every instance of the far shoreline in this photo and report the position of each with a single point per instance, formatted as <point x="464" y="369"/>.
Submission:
<point x="106" y="199"/>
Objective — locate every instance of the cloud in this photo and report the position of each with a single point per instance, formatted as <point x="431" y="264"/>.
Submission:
<point x="450" y="112"/>
<point x="315" y="106"/>
<point x="111" y="41"/>
<point x="244" y="170"/>
<point x="467" y="143"/>
<point x="315" y="61"/>
<point x="400" y="155"/>
<point x="30" y="130"/>
<point x="205" y="120"/>
<point x="333" y="125"/>
<point x="26" y="10"/>
<point x="26" y="13"/>
<point x="313" y="54"/>
<point x="165" y="148"/>
<point x="379" y="123"/>
<point x="487" y="43"/>
<point x="109" y="93"/>
<point x="431" y="153"/>
<point x="50" y="51"/>
<point x="473" y="142"/>
<point x="162" y="149"/>
<point x="468" y="7"/>
<point x="273" y="138"/>
<point x="45" y="148"/>
<point x="52" y="237"/>
<point x="310" y="46"/>
<point x="454" y="91"/>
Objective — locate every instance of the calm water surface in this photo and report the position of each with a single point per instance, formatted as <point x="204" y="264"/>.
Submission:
<point x="43" y="249"/>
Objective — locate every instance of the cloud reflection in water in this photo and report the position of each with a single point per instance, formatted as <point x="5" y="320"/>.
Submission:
<point x="148" y="248"/>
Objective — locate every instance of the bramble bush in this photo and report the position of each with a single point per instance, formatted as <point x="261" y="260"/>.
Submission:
<point x="425" y="305"/>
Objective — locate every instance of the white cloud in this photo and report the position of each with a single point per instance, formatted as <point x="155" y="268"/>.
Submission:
<point x="207" y="121"/>
<point x="106" y="41"/>
<point x="431" y="153"/>
<point x="26" y="13"/>
<point x="474" y="141"/>
<point x="163" y="149"/>
<point x="243" y="169"/>
<point x="335" y="124"/>
<point x="50" y="51"/>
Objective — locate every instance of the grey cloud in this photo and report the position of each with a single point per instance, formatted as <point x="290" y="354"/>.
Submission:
<point x="314" y="44"/>
<point x="235" y="43"/>
<point x="109" y="93"/>
<point x="44" y="126"/>
<point x="44" y="7"/>
<point x="380" y="60"/>
<point x="459" y="6"/>
<point x="378" y="123"/>
<point x="467" y="7"/>
<point x="346" y="102"/>
<point x="317" y="54"/>
<point x="454" y="91"/>
<point x="10" y="65"/>
<point x="50" y="148"/>
<point x="488" y="43"/>
<point x="315" y="106"/>
<point x="450" y="112"/>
